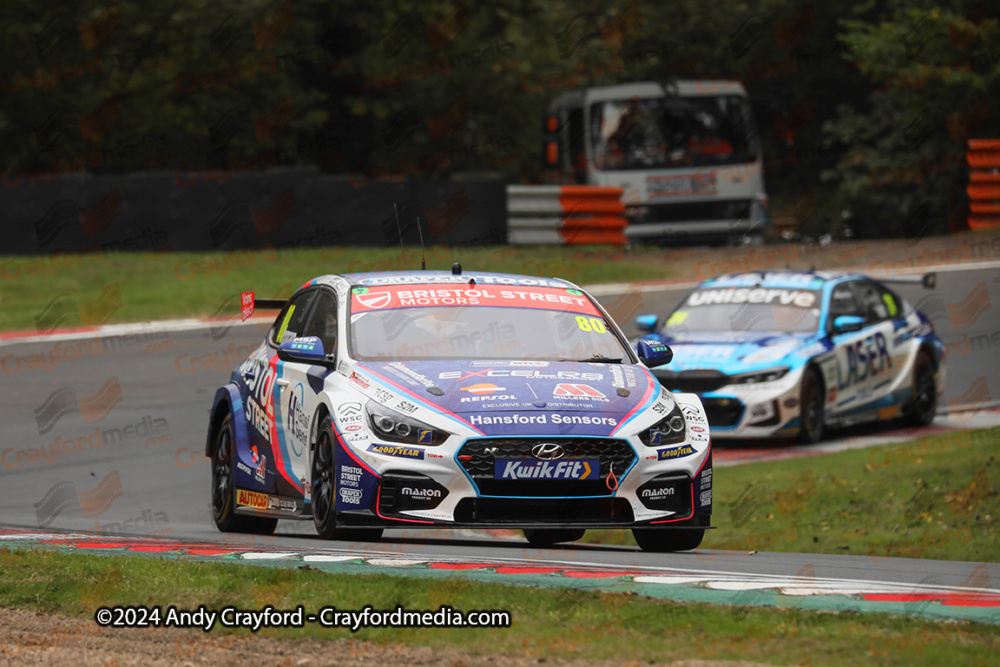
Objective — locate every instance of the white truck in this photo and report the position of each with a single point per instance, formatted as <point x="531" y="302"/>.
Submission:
<point x="686" y="153"/>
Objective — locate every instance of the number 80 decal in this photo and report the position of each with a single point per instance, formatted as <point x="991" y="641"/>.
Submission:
<point x="594" y="324"/>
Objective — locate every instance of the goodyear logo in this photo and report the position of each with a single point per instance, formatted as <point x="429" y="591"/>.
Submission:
<point x="674" y="452"/>
<point x="395" y="450"/>
<point x="251" y="499"/>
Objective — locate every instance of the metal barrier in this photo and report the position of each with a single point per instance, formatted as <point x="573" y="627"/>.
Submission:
<point x="984" y="183"/>
<point x="565" y="214"/>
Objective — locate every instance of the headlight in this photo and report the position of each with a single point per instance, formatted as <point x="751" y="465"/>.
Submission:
<point x="667" y="431"/>
<point x="387" y="424"/>
<point x="769" y="375"/>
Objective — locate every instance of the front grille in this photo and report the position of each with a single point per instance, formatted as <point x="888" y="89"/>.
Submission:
<point x="722" y="411"/>
<point x="613" y="454"/>
<point x="518" y="511"/>
<point x="693" y="381"/>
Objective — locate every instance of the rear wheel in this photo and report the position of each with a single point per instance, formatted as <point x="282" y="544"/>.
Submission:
<point x="922" y="408"/>
<point x="223" y="492"/>
<point x="544" y="537"/>
<point x="324" y="492"/>
<point x="811" y="408"/>
<point x="652" y="539"/>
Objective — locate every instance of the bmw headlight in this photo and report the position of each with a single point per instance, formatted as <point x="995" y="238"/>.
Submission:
<point x="667" y="431"/>
<point x="770" y="375"/>
<point x="387" y="424"/>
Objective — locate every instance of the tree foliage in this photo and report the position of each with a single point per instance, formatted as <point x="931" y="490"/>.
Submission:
<point x="859" y="103"/>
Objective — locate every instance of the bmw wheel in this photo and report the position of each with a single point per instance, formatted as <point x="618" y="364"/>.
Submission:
<point x="223" y="493"/>
<point x="811" y="408"/>
<point x="922" y="408"/>
<point x="324" y="491"/>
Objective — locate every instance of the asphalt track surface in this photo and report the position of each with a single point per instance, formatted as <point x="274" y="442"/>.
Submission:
<point x="164" y="477"/>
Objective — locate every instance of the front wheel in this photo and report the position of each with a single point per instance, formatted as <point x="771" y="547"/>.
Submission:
<point x="811" y="408"/>
<point x="223" y="493"/>
<point x="923" y="407"/>
<point x="659" y="541"/>
<point x="324" y="492"/>
<point x="542" y="537"/>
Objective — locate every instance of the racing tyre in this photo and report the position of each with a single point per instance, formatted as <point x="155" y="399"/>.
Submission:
<point x="324" y="492"/>
<point x="541" y="537"/>
<point x="652" y="539"/>
<point x="921" y="410"/>
<point x="223" y="493"/>
<point x="811" y="408"/>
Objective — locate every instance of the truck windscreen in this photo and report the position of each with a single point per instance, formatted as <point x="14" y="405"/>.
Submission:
<point x="670" y="132"/>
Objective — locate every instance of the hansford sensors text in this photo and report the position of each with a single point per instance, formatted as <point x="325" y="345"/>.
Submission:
<point x="269" y="617"/>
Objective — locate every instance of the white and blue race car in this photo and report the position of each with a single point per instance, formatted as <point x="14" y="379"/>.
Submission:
<point x="436" y="399"/>
<point x="786" y="353"/>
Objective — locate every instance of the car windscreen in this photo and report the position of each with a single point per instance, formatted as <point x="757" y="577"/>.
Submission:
<point x="390" y="323"/>
<point x="672" y="132"/>
<point x="741" y="310"/>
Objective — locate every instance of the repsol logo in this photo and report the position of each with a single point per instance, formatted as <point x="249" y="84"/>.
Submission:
<point x="421" y="493"/>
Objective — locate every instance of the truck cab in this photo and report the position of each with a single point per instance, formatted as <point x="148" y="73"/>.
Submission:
<point x="686" y="154"/>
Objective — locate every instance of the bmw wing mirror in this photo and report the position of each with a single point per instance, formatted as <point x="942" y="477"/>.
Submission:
<point x="846" y="323"/>
<point x="306" y="349"/>
<point x="646" y="323"/>
<point x="653" y="353"/>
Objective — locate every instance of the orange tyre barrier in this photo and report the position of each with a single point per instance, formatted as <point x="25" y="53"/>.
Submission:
<point x="984" y="183"/>
<point x="568" y="214"/>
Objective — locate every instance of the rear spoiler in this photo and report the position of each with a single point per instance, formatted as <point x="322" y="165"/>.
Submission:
<point x="249" y="303"/>
<point x="928" y="280"/>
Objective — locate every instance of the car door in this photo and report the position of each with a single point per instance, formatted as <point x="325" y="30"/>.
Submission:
<point x="864" y="363"/>
<point x="297" y="393"/>
<point x="260" y="391"/>
<point x="883" y="316"/>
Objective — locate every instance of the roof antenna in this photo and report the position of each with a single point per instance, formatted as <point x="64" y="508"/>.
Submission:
<point x="398" y="228"/>
<point x="423" y="253"/>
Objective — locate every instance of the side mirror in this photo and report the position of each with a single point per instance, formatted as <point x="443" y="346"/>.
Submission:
<point x="308" y="349"/>
<point x="653" y="353"/>
<point x="846" y="323"/>
<point x="647" y="323"/>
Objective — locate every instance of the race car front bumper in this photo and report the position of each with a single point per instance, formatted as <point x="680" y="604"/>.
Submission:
<point x="624" y="492"/>
<point x="762" y="410"/>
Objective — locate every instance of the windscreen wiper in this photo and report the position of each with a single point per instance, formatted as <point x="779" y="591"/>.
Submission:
<point x="597" y="359"/>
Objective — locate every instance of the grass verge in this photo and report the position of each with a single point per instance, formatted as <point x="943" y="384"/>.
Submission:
<point x="546" y="624"/>
<point x="936" y="497"/>
<point x="156" y="286"/>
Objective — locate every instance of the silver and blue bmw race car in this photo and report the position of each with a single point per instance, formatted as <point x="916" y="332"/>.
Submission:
<point x="428" y="398"/>
<point x="787" y="353"/>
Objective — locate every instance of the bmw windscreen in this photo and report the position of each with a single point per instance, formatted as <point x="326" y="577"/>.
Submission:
<point x="737" y="311"/>
<point x="390" y="323"/>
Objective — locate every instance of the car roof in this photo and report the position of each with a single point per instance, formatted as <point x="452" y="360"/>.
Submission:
<point x="787" y="278"/>
<point x="447" y="277"/>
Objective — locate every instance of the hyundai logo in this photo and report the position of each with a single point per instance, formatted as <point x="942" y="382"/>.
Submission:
<point x="548" y="451"/>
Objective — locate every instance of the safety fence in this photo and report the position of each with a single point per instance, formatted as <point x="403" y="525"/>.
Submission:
<point x="984" y="183"/>
<point x="565" y="214"/>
